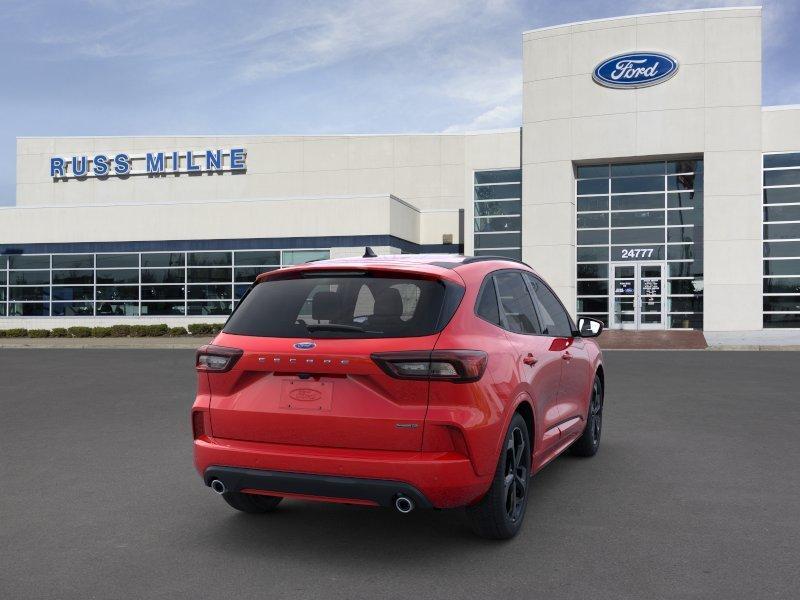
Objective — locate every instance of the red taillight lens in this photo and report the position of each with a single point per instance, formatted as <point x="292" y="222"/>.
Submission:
<point x="217" y="359"/>
<point x="458" y="366"/>
<point x="198" y="423"/>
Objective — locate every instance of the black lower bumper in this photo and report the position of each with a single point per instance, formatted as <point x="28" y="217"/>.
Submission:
<point x="380" y="491"/>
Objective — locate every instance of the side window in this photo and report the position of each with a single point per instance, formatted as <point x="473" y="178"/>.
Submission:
<point x="486" y="308"/>
<point x="516" y="305"/>
<point x="555" y="321"/>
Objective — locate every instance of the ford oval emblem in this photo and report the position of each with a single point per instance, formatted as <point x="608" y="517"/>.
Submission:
<point x="305" y="345"/>
<point x="635" y="70"/>
<point x="305" y="395"/>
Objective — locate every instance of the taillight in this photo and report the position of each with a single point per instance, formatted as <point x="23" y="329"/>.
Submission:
<point x="217" y="359"/>
<point x="458" y="366"/>
<point x="198" y="423"/>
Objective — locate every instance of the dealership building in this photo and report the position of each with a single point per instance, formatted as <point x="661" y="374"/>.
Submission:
<point x="647" y="184"/>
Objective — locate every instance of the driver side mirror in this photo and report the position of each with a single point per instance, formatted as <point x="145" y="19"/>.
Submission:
<point x="589" y="328"/>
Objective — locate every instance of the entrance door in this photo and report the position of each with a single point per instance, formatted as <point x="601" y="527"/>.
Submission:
<point x="637" y="295"/>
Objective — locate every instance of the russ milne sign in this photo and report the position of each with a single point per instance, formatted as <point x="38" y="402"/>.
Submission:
<point x="635" y="70"/>
<point x="122" y="164"/>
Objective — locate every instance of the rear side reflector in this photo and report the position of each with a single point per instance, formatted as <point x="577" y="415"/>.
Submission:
<point x="458" y="366"/>
<point x="198" y="424"/>
<point x="217" y="359"/>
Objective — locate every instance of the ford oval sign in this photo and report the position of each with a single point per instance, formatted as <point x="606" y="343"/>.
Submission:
<point x="635" y="70"/>
<point x="305" y="345"/>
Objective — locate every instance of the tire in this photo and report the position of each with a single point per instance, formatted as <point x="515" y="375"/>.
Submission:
<point x="253" y="504"/>
<point x="500" y="513"/>
<point x="589" y="443"/>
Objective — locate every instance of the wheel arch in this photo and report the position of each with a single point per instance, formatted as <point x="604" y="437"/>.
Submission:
<point x="600" y="372"/>
<point x="525" y="409"/>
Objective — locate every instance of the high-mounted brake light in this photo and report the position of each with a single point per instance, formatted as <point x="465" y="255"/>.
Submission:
<point x="217" y="359"/>
<point x="458" y="366"/>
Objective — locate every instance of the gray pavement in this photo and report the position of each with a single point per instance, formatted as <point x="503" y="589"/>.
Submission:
<point x="695" y="494"/>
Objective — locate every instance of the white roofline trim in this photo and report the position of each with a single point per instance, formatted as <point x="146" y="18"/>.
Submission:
<point x="214" y="201"/>
<point x="652" y="14"/>
<point x="265" y="135"/>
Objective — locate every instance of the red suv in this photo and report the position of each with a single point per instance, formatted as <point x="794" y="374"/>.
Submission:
<point x="399" y="381"/>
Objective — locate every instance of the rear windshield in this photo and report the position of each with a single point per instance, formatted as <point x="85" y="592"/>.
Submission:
<point x="341" y="306"/>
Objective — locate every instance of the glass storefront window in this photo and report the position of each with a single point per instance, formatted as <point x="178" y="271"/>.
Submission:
<point x="73" y="261"/>
<point x="781" y="287"/>
<point x="258" y="257"/>
<point x="209" y="259"/>
<point x="114" y="261"/>
<point x="65" y="277"/>
<point x="29" y="293"/>
<point x="497" y="207"/>
<point x="72" y="309"/>
<point x="84" y="292"/>
<point x="29" y="278"/>
<point x="117" y="292"/>
<point x="117" y="276"/>
<point x="163" y="259"/>
<point x="163" y="276"/>
<point x="592" y="220"/>
<point x="131" y="283"/>
<point x="209" y="292"/>
<point x="638" y="213"/>
<point x="209" y="275"/>
<point x="296" y="257"/>
<point x="24" y="261"/>
<point x="28" y="309"/>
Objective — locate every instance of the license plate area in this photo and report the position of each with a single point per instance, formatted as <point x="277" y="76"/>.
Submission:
<point x="301" y="394"/>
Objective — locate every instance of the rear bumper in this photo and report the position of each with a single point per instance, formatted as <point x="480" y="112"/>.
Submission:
<point x="432" y="479"/>
<point x="368" y="491"/>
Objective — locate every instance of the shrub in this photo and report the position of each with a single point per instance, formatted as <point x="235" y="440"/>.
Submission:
<point x="80" y="332"/>
<point x="201" y="328"/>
<point x="101" y="332"/>
<point x="38" y="333"/>
<point x="177" y="331"/>
<point x="217" y="327"/>
<point x="157" y="330"/>
<point x="16" y="332"/>
<point x="2" y="333"/>
<point x="120" y="330"/>
<point x="138" y="330"/>
<point x="59" y="332"/>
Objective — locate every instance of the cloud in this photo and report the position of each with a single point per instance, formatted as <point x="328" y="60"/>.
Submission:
<point x="497" y="117"/>
<point x="331" y="34"/>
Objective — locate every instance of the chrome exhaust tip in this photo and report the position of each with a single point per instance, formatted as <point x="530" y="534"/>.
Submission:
<point x="218" y="487"/>
<point x="403" y="504"/>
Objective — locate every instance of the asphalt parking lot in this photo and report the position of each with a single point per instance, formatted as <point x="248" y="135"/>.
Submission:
<point x="695" y="494"/>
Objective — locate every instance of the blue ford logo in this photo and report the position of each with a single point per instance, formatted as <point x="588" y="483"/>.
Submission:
<point x="305" y="345"/>
<point x="635" y="70"/>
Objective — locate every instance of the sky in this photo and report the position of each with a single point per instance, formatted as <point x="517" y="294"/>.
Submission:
<point x="159" y="67"/>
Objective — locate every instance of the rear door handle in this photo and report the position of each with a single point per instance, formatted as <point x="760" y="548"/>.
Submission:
<point x="529" y="360"/>
<point x="566" y="356"/>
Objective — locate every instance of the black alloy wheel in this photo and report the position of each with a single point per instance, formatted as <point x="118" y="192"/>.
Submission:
<point x="589" y="442"/>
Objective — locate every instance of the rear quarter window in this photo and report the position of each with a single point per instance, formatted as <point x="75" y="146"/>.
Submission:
<point x="486" y="307"/>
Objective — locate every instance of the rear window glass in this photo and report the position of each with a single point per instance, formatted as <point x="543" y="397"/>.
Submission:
<point x="353" y="306"/>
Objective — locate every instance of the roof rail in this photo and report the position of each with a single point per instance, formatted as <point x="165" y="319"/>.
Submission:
<point x="472" y="259"/>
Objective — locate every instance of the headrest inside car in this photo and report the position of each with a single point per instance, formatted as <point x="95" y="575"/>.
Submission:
<point x="388" y="303"/>
<point x="326" y="306"/>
